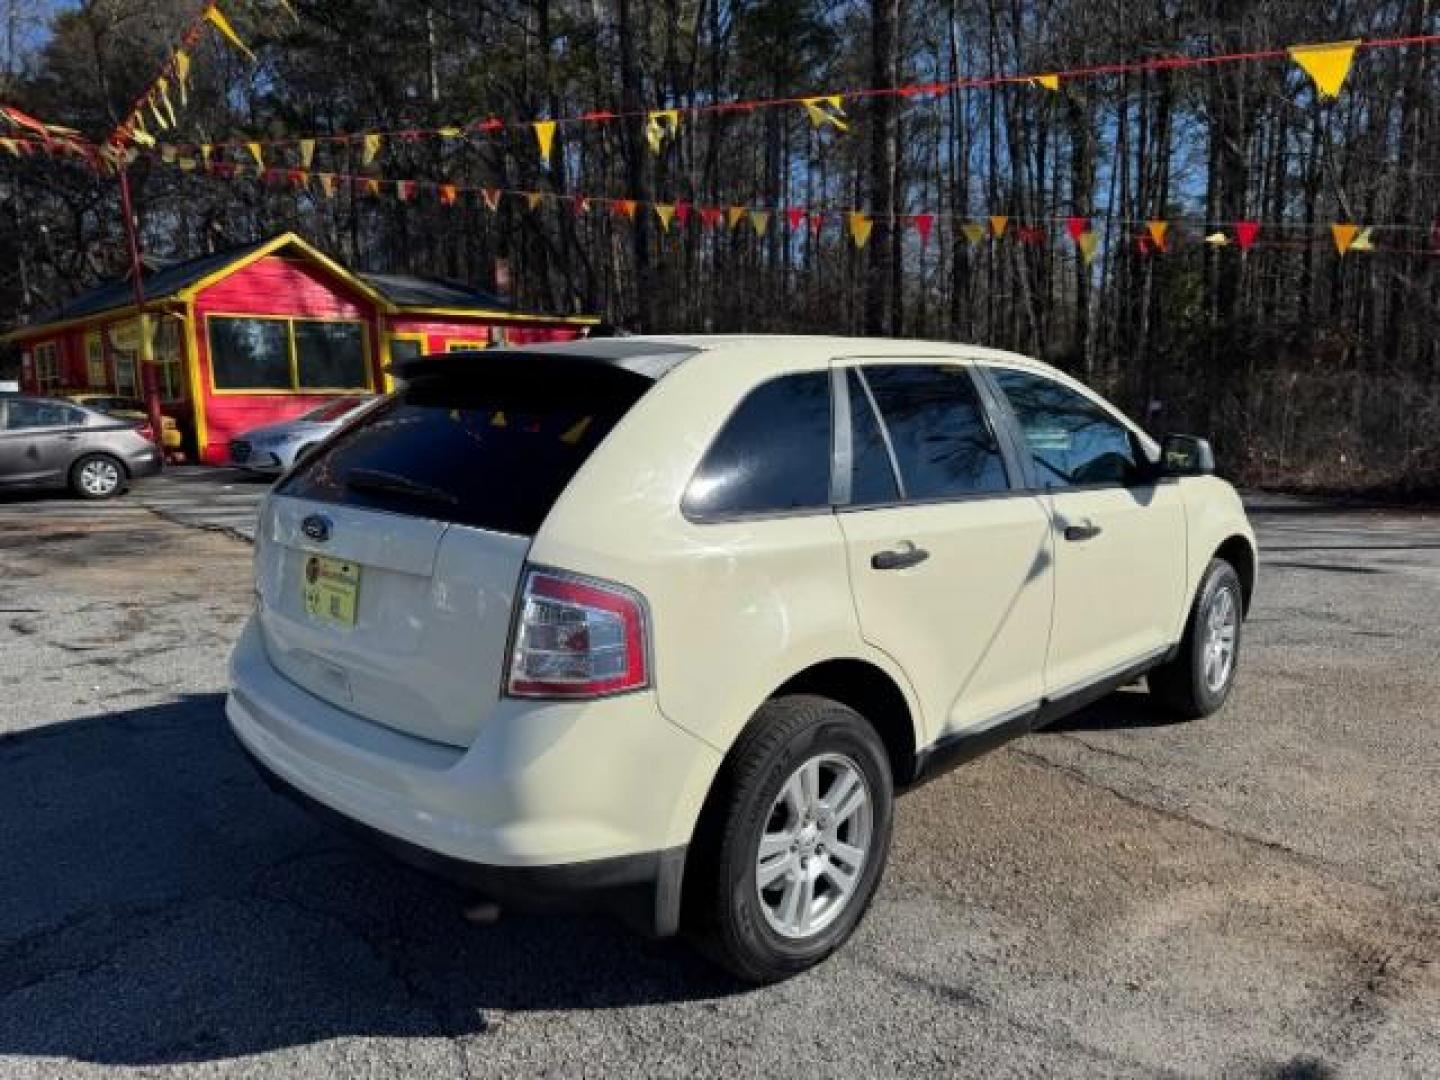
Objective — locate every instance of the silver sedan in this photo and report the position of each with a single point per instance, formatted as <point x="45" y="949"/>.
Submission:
<point x="275" y="447"/>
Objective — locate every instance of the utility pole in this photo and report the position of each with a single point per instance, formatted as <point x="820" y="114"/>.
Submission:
<point x="147" y="348"/>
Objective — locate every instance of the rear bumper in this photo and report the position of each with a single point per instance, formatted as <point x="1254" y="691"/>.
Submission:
<point x="146" y="462"/>
<point x="550" y="801"/>
<point x="644" y="889"/>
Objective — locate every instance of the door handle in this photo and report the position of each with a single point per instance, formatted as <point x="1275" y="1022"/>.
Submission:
<point x="1086" y="530"/>
<point x="906" y="555"/>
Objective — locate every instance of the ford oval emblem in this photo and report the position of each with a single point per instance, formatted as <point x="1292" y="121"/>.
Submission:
<point x="316" y="527"/>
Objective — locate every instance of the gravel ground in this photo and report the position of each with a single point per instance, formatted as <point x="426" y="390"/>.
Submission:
<point x="1252" y="895"/>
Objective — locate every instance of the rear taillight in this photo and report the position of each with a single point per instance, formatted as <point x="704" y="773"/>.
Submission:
<point x="576" y="637"/>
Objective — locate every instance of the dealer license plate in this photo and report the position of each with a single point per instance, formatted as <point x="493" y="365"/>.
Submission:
<point x="331" y="589"/>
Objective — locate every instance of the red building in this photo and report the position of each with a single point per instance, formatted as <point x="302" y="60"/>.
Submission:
<point x="262" y="333"/>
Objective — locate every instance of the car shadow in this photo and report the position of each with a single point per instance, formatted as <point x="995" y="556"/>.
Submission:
<point x="162" y="906"/>
<point x="1132" y="707"/>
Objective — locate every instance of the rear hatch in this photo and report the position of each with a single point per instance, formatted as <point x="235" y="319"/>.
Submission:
<point x="387" y="564"/>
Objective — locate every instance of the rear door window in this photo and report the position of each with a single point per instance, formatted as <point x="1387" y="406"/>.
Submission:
<point x="491" y="449"/>
<point x="944" y="445"/>
<point x="773" y="454"/>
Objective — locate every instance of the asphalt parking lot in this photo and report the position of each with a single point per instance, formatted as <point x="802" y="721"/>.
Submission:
<point x="1254" y="895"/>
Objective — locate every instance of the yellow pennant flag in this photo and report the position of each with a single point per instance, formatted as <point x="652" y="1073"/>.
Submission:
<point x="187" y="164"/>
<point x="162" y="87"/>
<point x="1088" y="242"/>
<point x="1217" y="239"/>
<point x="450" y="133"/>
<point x="998" y="224"/>
<point x="373" y="142"/>
<point x="167" y="155"/>
<point x="1047" y="82"/>
<point x="257" y="152"/>
<point x="532" y="199"/>
<point x="974" y="232"/>
<point x="139" y="134"/>
<point x="734" y="216"/>
<point x="665" y="212"/>
<point x="1344" y="236"/>
<point x="1327" y="65"/>
<point x="826" y="110"/>
<point x="182" y="75"/>
<point x="327" y="184"/>
<point x="160" y="122"/>
<point x="860" y="226"/>
<point x="1363" y="241"/>
<point x="216" y="18"/>
<point x="205" y="152"/>
<point x="660" y="124"/>
<point x="760" y="221"/>
<point x="10" y="145"/>
<point x="307" y="153"/>
<point x="545" y="136"/>
<point x="1159" y="232"/>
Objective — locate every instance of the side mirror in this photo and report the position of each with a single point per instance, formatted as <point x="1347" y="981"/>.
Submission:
<point x="1186" y="455"/>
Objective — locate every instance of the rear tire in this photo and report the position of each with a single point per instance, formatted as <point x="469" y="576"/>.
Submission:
<point x="1198" y="680"/>
<point x="98" y="476"/>
<point x="803" y="805"/>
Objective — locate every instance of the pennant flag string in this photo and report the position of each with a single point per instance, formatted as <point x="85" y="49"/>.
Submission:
<point x="1328" y="65"/>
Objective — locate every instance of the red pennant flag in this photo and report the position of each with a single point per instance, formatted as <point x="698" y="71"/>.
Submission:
<point x="795" y="216"/>
<point x="1145" y="245"/>
<point x="405" y="189"/>
<point x="682" y="211"/>
<point x="624" y="207"/>
<point x="493" y="124"/>
<point x="580" y="204"/>
<point x="297" y="177"/>
<point x="710" y="216"/>
<point x="923" y="224"/>
<point x="1030" y="234"/>
<point x="1076" y="227"/>
<point x="1245" y="232"/>
<point x="817" y="222"/>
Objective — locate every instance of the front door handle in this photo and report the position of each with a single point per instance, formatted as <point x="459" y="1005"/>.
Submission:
<point x="906" y="555"/>
<point x="1086" y="530"/>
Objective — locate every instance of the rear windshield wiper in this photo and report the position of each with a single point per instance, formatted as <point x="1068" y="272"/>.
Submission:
<point x="395" y="484"/>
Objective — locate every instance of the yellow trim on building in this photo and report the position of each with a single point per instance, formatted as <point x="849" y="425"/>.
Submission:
<point x="499" y="316"/>
<point x="192" y="371"/>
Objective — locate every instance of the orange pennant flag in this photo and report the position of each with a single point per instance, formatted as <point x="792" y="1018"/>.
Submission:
<point x="448" y="194"/>
<point x="998" y="223"/>
<point x="1160" y="233"/>
<point x="532" y="199"/>
<point x="372" y="186"/>
<point x="734" y="216"/>
<point x="1344" y="236"/>
<point x="860" y="226"/>
<point x="626" y="207"/>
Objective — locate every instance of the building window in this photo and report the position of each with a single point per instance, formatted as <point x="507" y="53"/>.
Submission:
<point x="169" y="363"/>
<point x="95" y="374"/>
<point x="126" y="382"/>
<point x="287" y="355"/>
<point x="466" y="346"/>
<point x="47" y="368"/>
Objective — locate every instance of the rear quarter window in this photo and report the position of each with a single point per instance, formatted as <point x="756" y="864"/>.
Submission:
<point x="490" y="450"/>
<point x="772" y="456"/>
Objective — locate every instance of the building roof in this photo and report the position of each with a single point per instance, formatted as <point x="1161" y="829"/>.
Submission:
<point x="159" y="285"/>
<point x="407" y="290"/>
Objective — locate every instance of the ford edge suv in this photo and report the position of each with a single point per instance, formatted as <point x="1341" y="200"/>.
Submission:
<point x="666" y="623"/>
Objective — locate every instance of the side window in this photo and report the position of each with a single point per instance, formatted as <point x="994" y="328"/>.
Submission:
<point x="943" y="443"/>
<point x="872" y="477"/>
<point x="1072" y="440"/>
<point x="772" y="455"/>
<point x="21" y="415"/>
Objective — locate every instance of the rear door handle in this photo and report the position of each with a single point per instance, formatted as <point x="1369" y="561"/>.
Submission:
<point x="1086" y="530"/>
<point x="906" y="555"/>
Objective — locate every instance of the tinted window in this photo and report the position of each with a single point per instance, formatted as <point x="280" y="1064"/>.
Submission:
<point x="942" y="441"/>
<point x="329" y="354"/>
<point x="490" y="449"/>
<point x="872" y="478"/>
<point x="250" y="354"/>
<point x="20" y="414"/>
<point x="1072" y="440"/>
<point x="405" y="349"/>
<point x="772" y="455"/>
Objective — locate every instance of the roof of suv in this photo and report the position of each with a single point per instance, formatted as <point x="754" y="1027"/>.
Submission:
<point x="654" y="356"/>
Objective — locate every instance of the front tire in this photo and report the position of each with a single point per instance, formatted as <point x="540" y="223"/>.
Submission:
<point x="97" y="476"/>
<point x="1198" y="680"/>
<point x="795" y="839"/>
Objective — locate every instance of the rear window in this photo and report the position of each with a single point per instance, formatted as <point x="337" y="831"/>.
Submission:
<point x="492" y="450"/>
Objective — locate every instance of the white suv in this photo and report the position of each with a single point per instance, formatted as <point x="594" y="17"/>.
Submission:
<point x="668" y="621"/>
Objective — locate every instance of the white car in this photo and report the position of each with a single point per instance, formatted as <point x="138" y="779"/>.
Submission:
<point x="667" y="622"/>
<point x="274" y="448"/>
